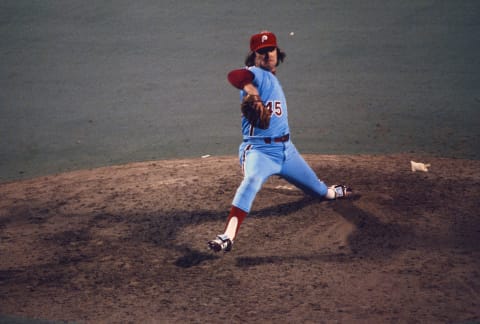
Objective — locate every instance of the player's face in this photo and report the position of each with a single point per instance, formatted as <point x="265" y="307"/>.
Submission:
<point x="267" y="58"/>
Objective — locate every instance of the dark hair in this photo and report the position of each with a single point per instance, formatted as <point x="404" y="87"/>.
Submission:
<point x="250" y="60"/>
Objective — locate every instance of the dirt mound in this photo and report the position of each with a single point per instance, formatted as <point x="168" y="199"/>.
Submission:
<point x="128" y="243"/>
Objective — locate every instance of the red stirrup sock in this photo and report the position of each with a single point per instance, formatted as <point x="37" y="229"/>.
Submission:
<point x="235" y="219"/>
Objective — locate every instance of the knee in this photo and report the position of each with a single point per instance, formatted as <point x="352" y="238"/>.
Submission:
<point x="252" y="183"/>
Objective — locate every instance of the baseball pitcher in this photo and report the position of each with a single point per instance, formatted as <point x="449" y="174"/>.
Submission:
<point x="267" y="147"/>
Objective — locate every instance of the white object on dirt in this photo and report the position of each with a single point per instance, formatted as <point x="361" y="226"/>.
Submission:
<point x="418" y="166"/>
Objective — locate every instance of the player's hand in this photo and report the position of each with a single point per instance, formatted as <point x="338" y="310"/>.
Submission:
<point x="255" y="111"/>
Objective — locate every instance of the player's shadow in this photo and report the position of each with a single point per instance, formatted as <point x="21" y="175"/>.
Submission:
<point x="192" y="257"/>
<point x="370" y="238"/>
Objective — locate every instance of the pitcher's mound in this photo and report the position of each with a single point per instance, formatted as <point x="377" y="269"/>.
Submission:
<point x="128" y="244"/>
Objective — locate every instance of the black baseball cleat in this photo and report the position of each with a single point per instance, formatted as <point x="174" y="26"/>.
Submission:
<point x="221" y="243"/>
<point x="342" y="191"/>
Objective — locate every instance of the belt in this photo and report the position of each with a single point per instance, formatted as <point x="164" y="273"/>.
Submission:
<point x="269" y="140"/>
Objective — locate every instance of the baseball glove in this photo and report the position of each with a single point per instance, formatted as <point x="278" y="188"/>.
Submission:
<point x="255" y="111"/>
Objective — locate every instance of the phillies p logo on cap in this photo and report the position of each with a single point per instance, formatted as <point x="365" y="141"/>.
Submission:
<point x="262" y="40"/>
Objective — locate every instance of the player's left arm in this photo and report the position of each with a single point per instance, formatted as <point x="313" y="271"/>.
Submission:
<point x="253" y="107"/>
<point x="243" y="79"/>
<point x="250" y="89"/>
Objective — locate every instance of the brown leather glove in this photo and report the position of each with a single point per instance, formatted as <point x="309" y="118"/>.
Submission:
<point x="255" y="111"/>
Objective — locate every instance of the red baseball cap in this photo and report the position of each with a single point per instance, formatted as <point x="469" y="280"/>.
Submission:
<point x="262" y="40"/>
